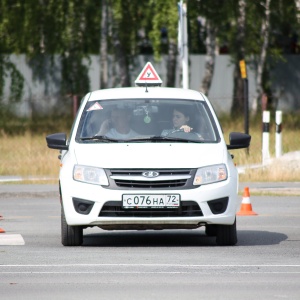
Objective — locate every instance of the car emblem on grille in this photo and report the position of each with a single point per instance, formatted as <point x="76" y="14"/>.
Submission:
<point x="150" y="174"/>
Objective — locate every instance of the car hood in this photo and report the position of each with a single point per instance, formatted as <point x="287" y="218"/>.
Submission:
<point x="150" y="155"/>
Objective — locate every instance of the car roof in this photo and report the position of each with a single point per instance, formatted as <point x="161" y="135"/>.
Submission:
<point x="143" y="92"/>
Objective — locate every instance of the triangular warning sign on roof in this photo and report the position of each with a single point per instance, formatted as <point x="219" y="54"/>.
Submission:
<point x="148" y="76"/>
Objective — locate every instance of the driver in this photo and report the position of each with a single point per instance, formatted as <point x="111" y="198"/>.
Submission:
<point x="181" y="119"/>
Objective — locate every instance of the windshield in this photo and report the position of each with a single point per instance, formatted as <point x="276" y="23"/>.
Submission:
<point x="149" y="120"/>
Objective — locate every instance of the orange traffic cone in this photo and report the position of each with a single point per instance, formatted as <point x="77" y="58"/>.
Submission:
<point x="246" y="207"/>
<point x="1" y="230"/>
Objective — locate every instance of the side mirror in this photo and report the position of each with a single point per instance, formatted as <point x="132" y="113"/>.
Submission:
<point x="238" y="140"/>
<point x="57" y="141"/>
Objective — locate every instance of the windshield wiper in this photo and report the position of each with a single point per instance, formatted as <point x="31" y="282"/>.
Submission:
<point x="164" y="139"/>
<point x="99" y="138"/>
<point x="154" y="139"/>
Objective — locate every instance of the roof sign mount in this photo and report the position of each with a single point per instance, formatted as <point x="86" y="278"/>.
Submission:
<point x="148" y="77"/>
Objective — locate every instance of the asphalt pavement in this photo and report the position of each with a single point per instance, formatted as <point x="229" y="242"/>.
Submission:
<point x="176" y="264"/>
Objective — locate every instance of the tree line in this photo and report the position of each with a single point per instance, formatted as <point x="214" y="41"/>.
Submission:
<point x="257" y="31"/>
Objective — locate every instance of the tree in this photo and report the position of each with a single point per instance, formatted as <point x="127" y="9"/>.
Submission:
<point x="238" y="94"/>
<point x="69" y="30"/>
<point x="103" y="46"/>
<point x="51" y="28"/>
<point x="10" y="42"/>
<point x="164" y="33"/>
<point x="208" y="26"/>
<point x="265" y="25"/>
<point x="244" y="27"/>
<point x="126" y="18"/>
<point x="211" y="46"/>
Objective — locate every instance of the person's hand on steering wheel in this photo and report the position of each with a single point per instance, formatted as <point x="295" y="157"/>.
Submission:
<point x="186" y="128"/>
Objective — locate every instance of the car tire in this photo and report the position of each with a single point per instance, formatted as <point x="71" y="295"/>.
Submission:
<point x="211" y="230"/>
<point x="70" y="235"/>
<point x="227" y="235"/>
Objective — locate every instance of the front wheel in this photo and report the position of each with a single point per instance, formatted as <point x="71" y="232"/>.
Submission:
<point x="227" y="235"/>
<point x="211" y="229"/>
<point x="70" y="235"/>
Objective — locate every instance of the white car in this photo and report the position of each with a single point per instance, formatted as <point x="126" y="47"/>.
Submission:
<point x="129" y="164"/>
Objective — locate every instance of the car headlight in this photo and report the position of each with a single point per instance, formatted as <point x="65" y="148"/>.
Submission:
<point x="210" y="174"/>
<point x="90" y="175"/>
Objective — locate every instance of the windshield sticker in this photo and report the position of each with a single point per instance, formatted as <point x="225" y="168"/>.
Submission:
<point x="96" y="106"/>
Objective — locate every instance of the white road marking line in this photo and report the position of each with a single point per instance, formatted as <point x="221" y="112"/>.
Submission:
<point x="11" y="240"/>
<point x="151" y="265"/>
<point x="18" y="217"/>
<point x="152" y="272"/>
<point x="148" y="269"/>
<point x="17" y="178"/>
<point x="143" y="272"/>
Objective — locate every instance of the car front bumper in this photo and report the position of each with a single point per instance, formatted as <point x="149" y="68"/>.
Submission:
<point x="98" y="196"/>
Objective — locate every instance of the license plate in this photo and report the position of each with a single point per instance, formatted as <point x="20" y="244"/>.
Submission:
<point x="151" y="201"/>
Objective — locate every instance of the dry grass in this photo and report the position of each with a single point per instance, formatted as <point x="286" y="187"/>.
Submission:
<point x="28" y="156"/>
<point x="277" y="171"/>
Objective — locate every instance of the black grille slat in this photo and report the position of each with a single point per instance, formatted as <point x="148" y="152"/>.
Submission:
<point x="124" y="179"/>
<point x="151" y="184"/>
<point x="115" y="209"/>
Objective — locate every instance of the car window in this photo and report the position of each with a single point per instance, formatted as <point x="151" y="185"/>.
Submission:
<point x="147" y="120"/>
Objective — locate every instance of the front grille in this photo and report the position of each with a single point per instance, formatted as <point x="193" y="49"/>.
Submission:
<point x="115" y="209"/>
<point x="167" y="179"/>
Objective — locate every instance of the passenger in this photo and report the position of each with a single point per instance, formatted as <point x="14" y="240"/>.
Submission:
<point x="118" y="125"/>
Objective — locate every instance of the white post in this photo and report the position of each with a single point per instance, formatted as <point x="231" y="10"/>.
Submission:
<point x="185" y="62"/>
<point x="278" y="136"/>
<point x="265" y="137"/>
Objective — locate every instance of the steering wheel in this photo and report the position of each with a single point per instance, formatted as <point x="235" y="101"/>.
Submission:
<point x="181" y="134"/>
